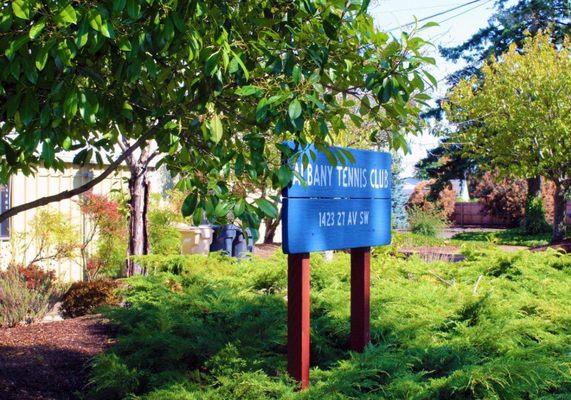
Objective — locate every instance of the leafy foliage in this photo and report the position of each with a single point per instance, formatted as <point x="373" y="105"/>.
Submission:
<point x="398" y="197"/>
<point x="217" y="96"/>
<point x="216" y="330"/>
<point x="535" y="221"/>
<point x="85" y="297"/>
<point x="517" y="116"/>
<point x="501" y="197"/>
<point x="510" y="237"/>
<point x="508" y="26"/>
<point x="164" y="237"/>
<point x="426" y="222"/>
<point x="108" y="226"/>
<point x="26" y="294"/>
<point x="49" y="237"/>
<point x="433" y="198"/>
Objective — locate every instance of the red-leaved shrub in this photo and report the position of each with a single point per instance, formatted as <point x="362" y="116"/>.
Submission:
<point x="424" y="198"/>
<point x="35" y="276"/>
<point x="501" y="197"/>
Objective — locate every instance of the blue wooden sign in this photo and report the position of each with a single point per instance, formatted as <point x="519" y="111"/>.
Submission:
<point x="337" y="206"/>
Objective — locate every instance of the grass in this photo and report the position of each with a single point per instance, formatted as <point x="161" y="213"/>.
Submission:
<point x="498" y="328"/>
<point x="512" y="237"/>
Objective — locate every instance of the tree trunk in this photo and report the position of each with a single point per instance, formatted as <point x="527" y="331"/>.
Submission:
<point x="138" y="226"/>
<point x="533" y="191"/>
<point x="271" y="227"/>
<point x="533" y="187"/>
<point x="139" y="191"/>
<point x="559" y="204"/>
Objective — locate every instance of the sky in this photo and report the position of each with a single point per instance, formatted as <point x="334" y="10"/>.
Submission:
<point x="454" y="29"/>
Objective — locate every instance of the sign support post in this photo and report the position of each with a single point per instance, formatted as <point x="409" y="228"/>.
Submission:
<point x="298" y="318"/>
<point x="360" y="297"/>
<point x="332" y="207"/>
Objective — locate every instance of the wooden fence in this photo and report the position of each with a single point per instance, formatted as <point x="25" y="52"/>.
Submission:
<point x="474" y="214"/>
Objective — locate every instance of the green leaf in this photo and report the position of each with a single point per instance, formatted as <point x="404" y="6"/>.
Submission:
<point x="216" y="129"/>
<point x="284" y="176"/>
<point x="429" y="25"/>
<point x="197" y="216"/>
<point x="42" y="57"/>
<point x="239" y="207"/>
<point x="15" y="45"/>
<point x="261" y="109"/>
<point x="133" y="9"/>
<point x="95" y="20"/>
<point x="70" y="104"/>
<point x="211" y="65"/>
<point x="80" y="157"/>
<point x="125" y="45"/>
<point x="82" y="33"/>
<point x="242" y="65"/>
<point x="28" y="109"/>
<point x="67" y="142"/>
<point x="118" y="5"/>
<point x="67" y="16"/>
<point x="294" y="109"/>
<point x="21" y="8"/>
<point x="296" y="74"/>
<point x="189" y="205"/>
<point x="431" y="78"/>
<point x="267" y="208"/>
<point x="37" y="28"/>
<point x="249" y="91"/>
<point x="221" y="209"/>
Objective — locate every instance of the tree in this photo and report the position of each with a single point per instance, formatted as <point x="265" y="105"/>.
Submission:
<point x="522" y="115"/>
<point x="216" y="95"/>
<point x="509" y="25"/>
<point x="398" y="197"/>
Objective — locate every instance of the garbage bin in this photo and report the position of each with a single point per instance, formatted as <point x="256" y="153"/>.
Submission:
<point x="224" y="238"/>
<point x="243" y="244"/>
<point x="195" y="239"/>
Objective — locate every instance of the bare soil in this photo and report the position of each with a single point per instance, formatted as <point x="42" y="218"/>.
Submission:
<point x="266" y="250"/>
<point x="48" y="361"/>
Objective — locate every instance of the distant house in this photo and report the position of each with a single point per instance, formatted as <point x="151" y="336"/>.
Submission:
<point x="23" y="189"/>
<point x="409" y="184"/>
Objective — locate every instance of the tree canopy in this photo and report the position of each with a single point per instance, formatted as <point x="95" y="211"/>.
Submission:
<point x="508" y="25"/>
<point x="217" y="84"/>
<point x="519" y="115"/>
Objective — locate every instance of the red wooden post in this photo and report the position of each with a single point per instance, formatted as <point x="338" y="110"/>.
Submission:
<point x="298" y="318"/>
<point x="360" y="297"/>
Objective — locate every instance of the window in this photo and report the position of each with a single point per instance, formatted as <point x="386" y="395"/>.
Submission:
<point x="4" y="206"/>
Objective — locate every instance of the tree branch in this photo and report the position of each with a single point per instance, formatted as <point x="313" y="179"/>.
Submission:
<point x="66" y="194"/>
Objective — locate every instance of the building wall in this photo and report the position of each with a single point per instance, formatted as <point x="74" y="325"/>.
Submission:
<point x="44" y="183"/>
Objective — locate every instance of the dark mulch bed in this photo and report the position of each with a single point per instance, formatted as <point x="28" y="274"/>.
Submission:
<point x="48" y="360"/>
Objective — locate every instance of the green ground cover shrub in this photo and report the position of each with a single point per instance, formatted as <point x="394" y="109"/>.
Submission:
<point x="509" y="237"/>
<point x="165" y="238"/>
<point x="499" y="328"/>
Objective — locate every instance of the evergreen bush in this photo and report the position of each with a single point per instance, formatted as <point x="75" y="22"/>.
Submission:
<point x="535" y="222"/>
<point x="495" y="326"/>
